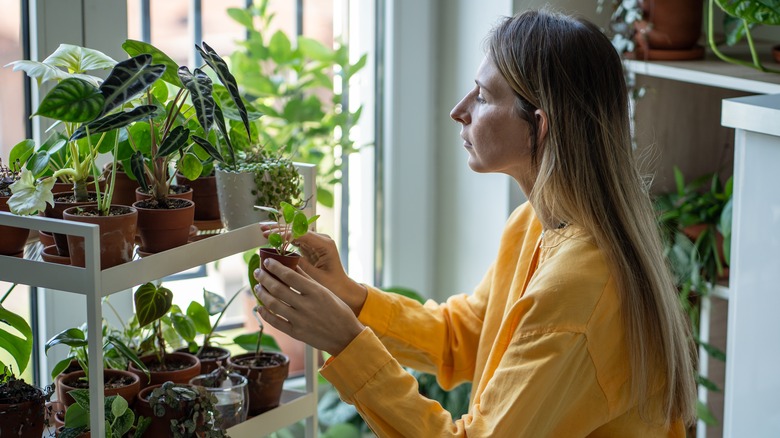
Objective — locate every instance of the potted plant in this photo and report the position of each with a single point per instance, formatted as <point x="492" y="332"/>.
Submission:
<point x="22" y="406"/>
<point x="152" y="304"/>
<point x="181" y="410"/>
<point x="231" y="393"/>
<point x="93" y="115"/>
<point x="211" y="356"/>
<point x="14" y="238"/>
<point x="657" y="29"/>
<point x="293" y="224"/>
<point x="119" y="418"/>
<point x="116" y="381"/>
<point x="742" y="16"/>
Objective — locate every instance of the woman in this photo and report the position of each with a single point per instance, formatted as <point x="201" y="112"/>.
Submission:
<point x="576" y="329"/>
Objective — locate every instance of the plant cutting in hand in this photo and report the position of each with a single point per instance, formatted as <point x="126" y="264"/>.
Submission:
<point x="293" y="224"/>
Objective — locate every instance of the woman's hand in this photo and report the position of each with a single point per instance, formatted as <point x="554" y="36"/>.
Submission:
<point x="309" y="313"/>
<point x="321" y="261"/>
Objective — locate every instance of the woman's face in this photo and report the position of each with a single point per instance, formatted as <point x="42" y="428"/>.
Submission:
<point x="495" y="137"/>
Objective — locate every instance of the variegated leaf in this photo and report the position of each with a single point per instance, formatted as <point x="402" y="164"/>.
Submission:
<point x="38" y="70"/>
<point x="138" y="169"/>
<point x="129" y="78"/>
<point x="72" y="100"/>
<point x="228" y="80"/>
<point x="77" y="59"/>
<point x="174" y="141"/>
<point x="135" y="48"/>
<point x="208" y="147"/>
<point x="114" y="121"/>
<point x="199" y="85"/>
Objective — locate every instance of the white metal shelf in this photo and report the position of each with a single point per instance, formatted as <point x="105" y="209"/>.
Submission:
<point x="95" y="284"/>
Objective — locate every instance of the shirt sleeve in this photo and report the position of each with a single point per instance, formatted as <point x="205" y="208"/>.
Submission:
<point x="440" y="339"/>
<point x="543" y="386"/>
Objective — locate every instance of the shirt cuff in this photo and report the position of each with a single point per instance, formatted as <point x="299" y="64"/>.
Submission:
<point x="357" y="364"/>
<point x="377" y="311"/>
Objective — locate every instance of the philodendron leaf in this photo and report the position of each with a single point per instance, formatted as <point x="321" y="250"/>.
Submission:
<point x="754" y="12"/>
<point x="128" y="79"/>
<point x="81" y="396"/>
<point x="19" y="347"/>
<point x="183" y="326"/>
<point x="21" y="151"/>
<point x="208" y="147"/>
<point x="115" y="121"/>
<point x="199" y="317"/>
<point x="151" y="303"/>
<point x="138" y="169"/>
<point x="72" y="100"/>
<point x="135" y="48"/>
<point x="71" y="337"/>
<point x="228" y="80"/>
<point x="199" y="86"/>
<point x="174" y="141"/>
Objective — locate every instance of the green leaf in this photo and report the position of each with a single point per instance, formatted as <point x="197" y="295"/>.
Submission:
<point x="342" y="430"/>
<point x="71" y="337"/>
<point x="199" y="317"/>
<point x="135" y="48"/>
<point x="314" y="49"/>
<point x="214" y="303"/>
<point x="288" y="211"/>
<point x="208" y="147"/>
<point x="129" y="354"/>
<point x="752" y="11"/>
<point x="280" y="47"/>
<point x="300" y="225"/>
<point x="72" y="100"/>
<point x="325" y="197"/>
<point x="19" y="347"/>
<point x="61" y="366"/>
<point x="138" y="169"/>
<point x="199" y="86"/>
<point x="704" y="414"/>
<point x="241" y="16"/>
<point x="248" y="341"/>
<point x="190" y="166"/>
<point x="275" y="240"/>
<point x="123" y="424"/>
<point x="81" y="396"/>
<point x="174" y="141"/>
<point x="226" y="78"/>
<point x="252" y="266"/>
<point x="128" y="79"/>
<point x="118" y="406"/>
<point x="115" y="121"/>
<point x="77" y="416"/>
<point x="184" y="326"/>
<point x="151" y="303"/>
<point x="72" y="432"/>
<point x="21" y="151"/>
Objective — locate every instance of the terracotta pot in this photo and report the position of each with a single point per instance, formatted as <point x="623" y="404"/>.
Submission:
<point x="208" y="361"/>
<point x="23" y="420"/>
<point x="55" y="413"/>
<point x="124" y="189"/>
<point x="117" y="235"/>
<point x="183" y="375"/>
<point x="236" y="200"/>
<point x="204" y="193"/>
<point x="50" y="255"/>
<point x="62" y="187"/>
<point x="55" y="212"/>
<point x="670" y="30"/>
<point x="163" y="229"/>
<point x="128" y="392"/>
<point x="265" y="383"/>
<point x="14" y="238"/>
<point x="47" y="239"/>
<point x="160" y="427"/>
<point x="290" y="259"/>
<point x="186" y="193"/>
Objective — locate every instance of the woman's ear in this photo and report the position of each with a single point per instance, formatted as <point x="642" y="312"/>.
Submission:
<point x="542" y="124"/>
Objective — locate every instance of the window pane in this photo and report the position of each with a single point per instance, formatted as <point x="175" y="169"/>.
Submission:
<point x="12" y="117"/>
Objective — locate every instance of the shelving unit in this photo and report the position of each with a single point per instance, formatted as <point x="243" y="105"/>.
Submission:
<point x="96" y="284"/>
<point x="713" y="72"/>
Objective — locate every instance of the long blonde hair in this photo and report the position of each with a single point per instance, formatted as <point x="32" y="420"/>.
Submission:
<point x="587" y="175"/>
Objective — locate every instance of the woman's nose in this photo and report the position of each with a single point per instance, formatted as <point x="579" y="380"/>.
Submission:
<point x="460" y="113"/>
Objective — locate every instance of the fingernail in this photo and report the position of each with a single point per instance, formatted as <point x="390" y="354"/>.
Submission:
<point x="257" y="273"/>
<point x="267" y="262"/>
<point x="257" y="288"/>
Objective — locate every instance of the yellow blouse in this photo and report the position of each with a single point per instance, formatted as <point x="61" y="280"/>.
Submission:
<point x="541" y="339"/>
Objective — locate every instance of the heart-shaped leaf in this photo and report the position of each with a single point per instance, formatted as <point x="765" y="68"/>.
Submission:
<point x="135" y="48"/>
<point x="128" y="79"/>
<point x="214" y="303"/>
<point x="151" y="303"/>
<point x="71" y="337"/>
<point x="79" y="59"/>
<point x="199" y="317"/>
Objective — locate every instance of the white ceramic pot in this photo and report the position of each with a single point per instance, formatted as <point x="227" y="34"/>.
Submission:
<point x="236" y="200"/>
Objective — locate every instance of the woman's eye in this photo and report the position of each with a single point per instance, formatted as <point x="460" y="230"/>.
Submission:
<point x="480" y="99"/>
